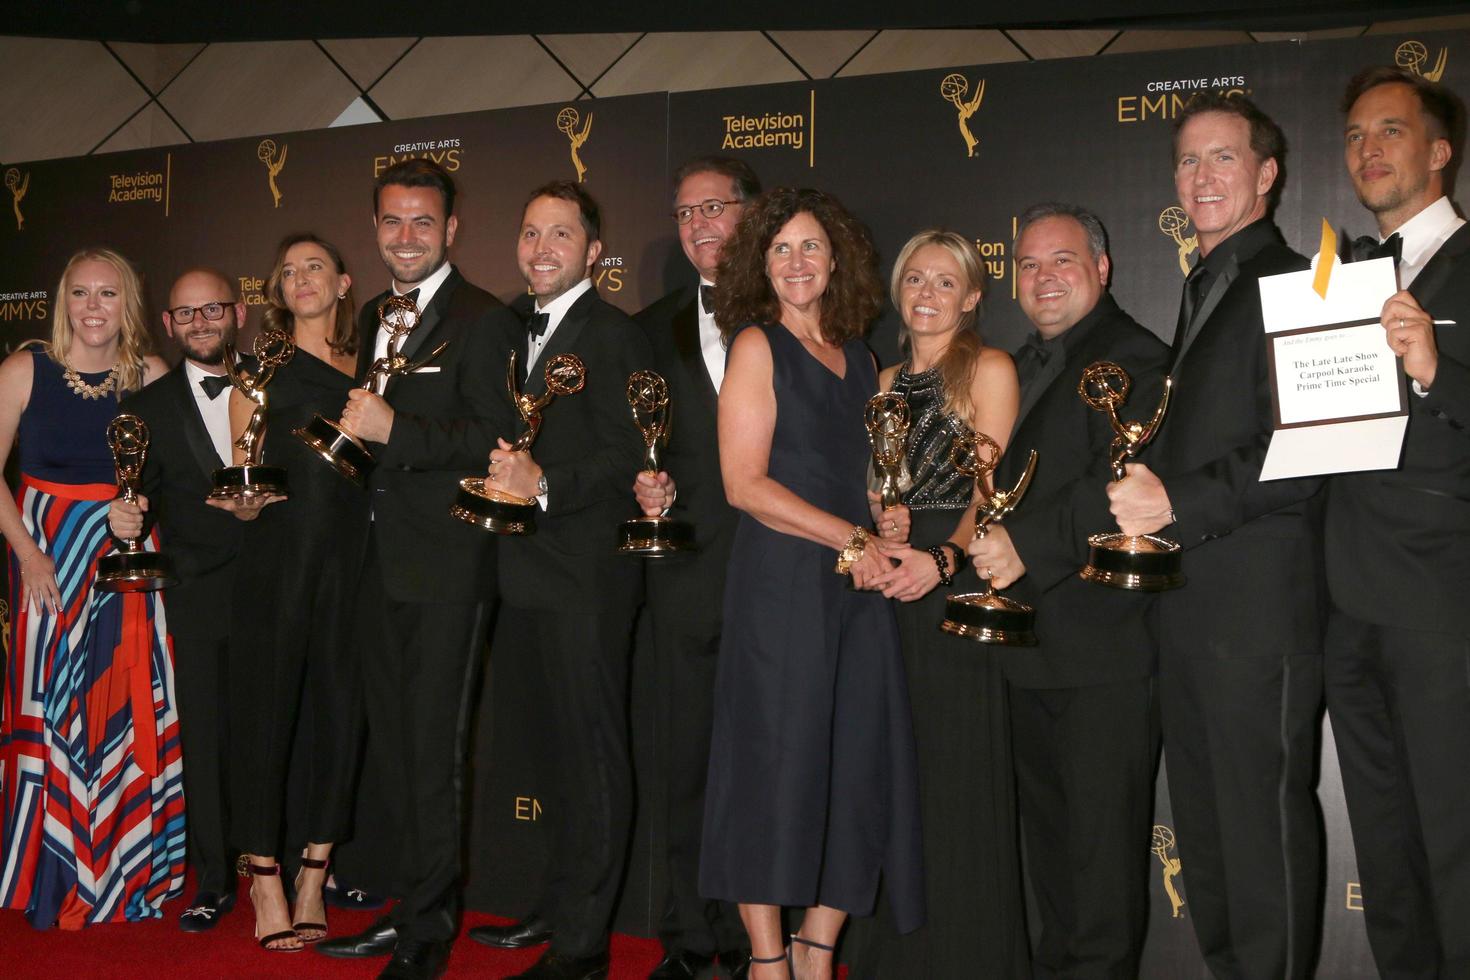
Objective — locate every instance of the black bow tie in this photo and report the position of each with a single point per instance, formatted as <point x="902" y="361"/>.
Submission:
<point x="537" y="323"/>
<point x="1368" y="247"/>
<point x="213" y="384"/>
<point x="1039" y="348"/>
<point x="707" y="298"/>
<point x="412" y="296"/>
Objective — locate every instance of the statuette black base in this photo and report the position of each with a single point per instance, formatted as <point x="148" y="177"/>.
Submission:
<point x="344" y="451"/>
<point x="492" y="509"/>
<point x="655" y="537"/>
<point x="989" y="618"/>
<point x="248" y="482"/>
<point x="135" y="571"/>
<point x="1141" y="563"/>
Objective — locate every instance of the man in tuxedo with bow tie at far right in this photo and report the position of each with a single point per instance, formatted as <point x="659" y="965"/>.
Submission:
<point x="1398" y="549"/>
<point x="1240" y="667"/>
<point x="567" y="597"/>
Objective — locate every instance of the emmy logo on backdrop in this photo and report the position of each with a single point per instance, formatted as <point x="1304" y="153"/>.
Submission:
<point x="1163" y="843"/>
<point x="250" y="479"/>
<point x="661" y="535"/>
<point x="1143" y="562"/>
<point x="1174" y="223"/>
<point x="18" y="183"/>
<point x="1412" y="56"/>
<point x="953" y="88"/>
<point x="130" y="568"/>
<point x="984" y="616"/>
<point x="266" y="154"/>
<point x="398" y="316"/>
<point x="566" y="121"/>
<point x="489" y="507"/>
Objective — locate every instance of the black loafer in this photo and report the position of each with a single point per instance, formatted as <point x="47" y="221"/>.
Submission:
<point x="204" y="913"/>
<point x="378" y="939"/>
<point x="555" y="966"/>
<point x="735" y="963"/>
<point x="352" y="898"/>
<point x="416" y="960"/>
<point x="530" y="931"/>
<point x="682" y="964"/>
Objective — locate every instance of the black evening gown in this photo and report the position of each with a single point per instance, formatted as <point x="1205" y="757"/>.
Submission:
<point x="812" y="795"/>
<point x="976" y="924"/>
<point x="291" y="639"/>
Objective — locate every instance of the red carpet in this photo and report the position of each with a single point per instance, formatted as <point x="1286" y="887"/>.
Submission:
<point x="157" y="949"/>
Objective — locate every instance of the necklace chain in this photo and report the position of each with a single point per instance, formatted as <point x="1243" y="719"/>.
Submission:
<point x="104" y="387"/>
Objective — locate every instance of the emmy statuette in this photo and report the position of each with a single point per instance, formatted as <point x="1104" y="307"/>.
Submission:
<point x="986" y="617"/>
<point x="1143" y="562"/>
<point x="251" y="480"/>
<point x="489" y="507"/>
<point x="658" y="536"/>
<point x="131" y="569"/>
<point x="344" y="451"/>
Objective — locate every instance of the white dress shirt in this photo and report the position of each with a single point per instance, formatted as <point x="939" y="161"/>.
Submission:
<point x="1422" y="236"/>
<point x="427" y="288"/>
<point x="711" y="344"/>
<point x="555" y="311"/>
<point x="214" y="411"/>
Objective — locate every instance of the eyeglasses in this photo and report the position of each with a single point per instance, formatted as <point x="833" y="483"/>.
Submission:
<point x="211" y="311"/>
<point x="710" y="209"/>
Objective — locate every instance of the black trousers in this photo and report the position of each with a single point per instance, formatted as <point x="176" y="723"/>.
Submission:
<point x="419" y="664"/>
<point x="199" y="622"/>
<point x="685" y="658"/>
<point x="1240" y="743"/>
<point x="1085" y="760"/>
<point x="1399" y="701"/>
<point x="585" y="658"/>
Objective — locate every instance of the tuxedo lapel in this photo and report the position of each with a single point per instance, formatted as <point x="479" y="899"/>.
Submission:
<point x="1047" y="377"/>
<point x="1217" y="292"/>
<point x="685" y="327"/>
<point x="562" y="340"/>
<point x="1437" y="274"/>
<point x="430" y="318"/>
<point x="367" y="334"/>
<point x="195" y="434"/>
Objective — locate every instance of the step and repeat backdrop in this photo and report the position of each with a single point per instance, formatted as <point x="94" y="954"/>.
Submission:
<point x="968" y="148"/>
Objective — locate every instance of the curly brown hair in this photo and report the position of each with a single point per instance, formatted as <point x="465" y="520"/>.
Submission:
<point x="854" y="295"/>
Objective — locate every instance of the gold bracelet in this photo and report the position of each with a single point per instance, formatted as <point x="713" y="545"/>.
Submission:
<point x="851" y="552"/>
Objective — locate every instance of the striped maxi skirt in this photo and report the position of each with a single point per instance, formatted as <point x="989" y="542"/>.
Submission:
<point x="91" y="771"/>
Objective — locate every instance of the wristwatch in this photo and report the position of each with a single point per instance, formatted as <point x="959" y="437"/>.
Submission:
<point x="541" y="485"/>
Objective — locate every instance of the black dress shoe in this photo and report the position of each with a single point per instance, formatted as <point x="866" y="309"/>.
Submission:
<point x="204" y="913"/>
<point x="555" y="966"/>
<point x="377" y="939"/>
<point x="735" y="963"/>
<point x="342" y="897"/>
<point x="530" y="931"/>
<point x="682" y="964"/>
<point x="416" y="960"/>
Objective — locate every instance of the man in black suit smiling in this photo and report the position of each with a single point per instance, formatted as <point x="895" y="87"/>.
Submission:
<point x="685" y="594"/>
<point x="422" y="610"/>
<point x="1398" y="550"/>
<point x="566" y="594"/>
<point x="187" y="412"/>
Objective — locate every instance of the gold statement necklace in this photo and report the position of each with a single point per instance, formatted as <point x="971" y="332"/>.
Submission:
<point x="75" y="383"/>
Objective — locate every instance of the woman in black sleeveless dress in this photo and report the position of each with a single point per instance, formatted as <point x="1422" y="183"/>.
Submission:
<point x="953" y="384"/>
<point x="296" y="577"/>
<point x="811" y="789"/>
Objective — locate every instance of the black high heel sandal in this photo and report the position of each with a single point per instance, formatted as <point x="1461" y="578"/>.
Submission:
<point x="318" y="927"/>
<point x="806" y="942"/>
<point x="249" y="869"/>
<point x="764" y="961"/>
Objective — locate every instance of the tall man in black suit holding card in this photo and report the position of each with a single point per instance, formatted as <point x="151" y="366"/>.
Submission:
<point x="685" y="593"/>
<point x="1398" y="551"/>
<point x="1084" y="720"/>
<point x="567" y="595"/>
<point x="1240" y="667"/>
<point x="187" y="412"/>
<point x="422" y="610"/>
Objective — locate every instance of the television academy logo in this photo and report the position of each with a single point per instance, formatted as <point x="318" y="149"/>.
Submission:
<point x="566" y="122"/>
<point x="1174" y="223"/>
<point x="18" y="184"/>
<point x="266" y="154"/>
<point x="953" y="88"/>
<point x="1412" y="55"/>
<point x="1163" y="843"/>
